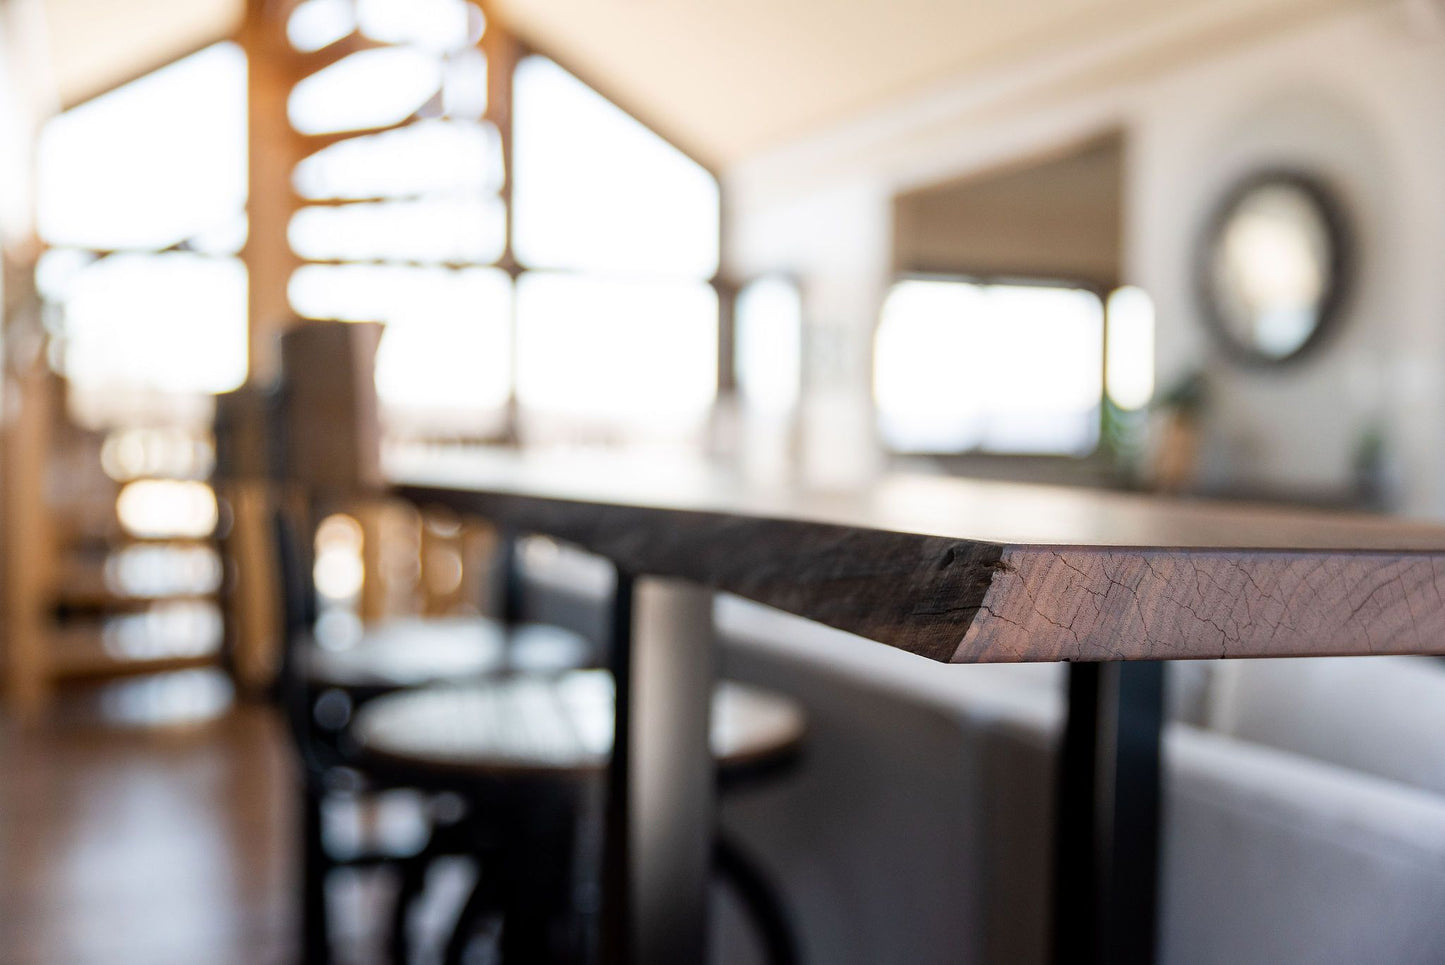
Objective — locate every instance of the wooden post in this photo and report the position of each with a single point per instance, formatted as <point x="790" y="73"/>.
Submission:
<point x="274" y="150"/>
<point x="29" y="540"/>
<point x="28" y="558"/>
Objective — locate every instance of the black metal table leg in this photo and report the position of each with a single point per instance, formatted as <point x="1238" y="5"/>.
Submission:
<point x="509" y="586"/>
<point x="315" y="935"/>
<point x="616" y="906"/>
<point x="1107" y="820"/>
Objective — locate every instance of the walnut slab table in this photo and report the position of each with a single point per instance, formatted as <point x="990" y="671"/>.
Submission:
<point x="957" y="571"/>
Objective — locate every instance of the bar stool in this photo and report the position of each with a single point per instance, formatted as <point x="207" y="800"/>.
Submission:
<point x="312" y="445"/>
<point x="321" y="688"/>
<point x="409" y="652"/>
<point x="524" y="751"/>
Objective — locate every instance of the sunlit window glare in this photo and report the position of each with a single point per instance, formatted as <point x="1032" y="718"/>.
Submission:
<point x="319" y="23"/>
<point x="448" y="230"/>
<point x="154" y="570"/>
<point x="174" y="322"/>
<point x="605" y="351"/>
<point x="439" y="25"/>
<point x="155" y="162"/>
<point x="57" y="269"/>
<point x="450" y="366"/>
<point x="170" y="698"/>
<point x="595" y="359"/>
<point x="372" y="88"/>
<point x="464" y="85"/>
<point x="167" y="509"/>
<point x="597" y="190"/>
<point x="426" y="157"/>
<point x="994" y="368"/>
<point x="166" y="630"/>
<point x="179" y="697"/>
<point x="339" y="569"/>
<point x="1131" y="348"/>
<point x="172" y="452"/>
<point x="768" y="356"/>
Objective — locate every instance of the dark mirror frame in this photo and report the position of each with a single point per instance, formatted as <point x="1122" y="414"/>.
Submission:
<point x="1340" y="269"/>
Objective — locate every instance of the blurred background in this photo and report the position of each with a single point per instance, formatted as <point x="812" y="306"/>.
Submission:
<point x="1189" y="247"/>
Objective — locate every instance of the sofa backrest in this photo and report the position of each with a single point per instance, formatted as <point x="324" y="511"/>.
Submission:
<point x="918" y="827"/>
<point x="1380" y="715"/>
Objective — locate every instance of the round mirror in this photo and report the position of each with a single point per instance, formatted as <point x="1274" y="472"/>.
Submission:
<point x="1272" y="267"/>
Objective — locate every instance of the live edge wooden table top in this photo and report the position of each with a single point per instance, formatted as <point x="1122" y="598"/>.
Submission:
<point x="969" y="571"/>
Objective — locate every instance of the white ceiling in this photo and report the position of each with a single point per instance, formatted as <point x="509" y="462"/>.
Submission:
<point x="724" y="78"/>
<point x="728" y="78"/>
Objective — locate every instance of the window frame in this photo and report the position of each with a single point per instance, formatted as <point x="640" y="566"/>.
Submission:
<point x="515" y="49"/>
<point x="276" y="149"/>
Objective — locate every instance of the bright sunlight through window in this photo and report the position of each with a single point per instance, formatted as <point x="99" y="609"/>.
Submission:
<point x="373" y="88"/>
<point x="597" y="190"/>
<point x="1131" y="348"/>
<point x="994" y="368"/>
<point x="614" y="340"/>
<point x="174" y="321"/>
<point x="640" y="353"/>
<point x="768" y="354"/>
<point x="167" y="509"/>
<point x="155" y="164"/>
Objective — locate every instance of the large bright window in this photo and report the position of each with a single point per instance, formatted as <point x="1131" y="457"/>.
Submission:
<point x="617" y="339"/>
<point x="768" y="346"/>
<point x="612" y="355"/>
<point x="174" y="321"/>
<point x="1130" y="346"/>
<point x="595" y="190"/>
<point x="445" y="359"/>
<point x="141" y="196"/>
<point x="1006" y="368"/>
<point x="403" y="220"/>
<point x="584" y="315"/>
<point x="151" y="164"/>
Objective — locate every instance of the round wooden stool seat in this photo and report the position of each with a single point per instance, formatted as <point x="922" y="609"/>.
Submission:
<point x="554" y="727"/>
<point x="410" y="652"/>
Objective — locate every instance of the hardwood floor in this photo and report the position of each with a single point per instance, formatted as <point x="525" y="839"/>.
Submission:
<point x="146" y="822"/>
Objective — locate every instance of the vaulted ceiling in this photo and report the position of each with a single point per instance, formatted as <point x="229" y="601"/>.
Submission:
<point x="96" y="44"/>
<point x="731" y="77"/>
<point x="725" y="78"/>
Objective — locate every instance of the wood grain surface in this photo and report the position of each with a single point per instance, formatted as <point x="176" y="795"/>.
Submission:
<point x="971" y="571"/>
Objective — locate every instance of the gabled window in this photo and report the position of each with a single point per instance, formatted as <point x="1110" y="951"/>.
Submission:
<point x="617" y="323"/>
<point x="566" y="300"/>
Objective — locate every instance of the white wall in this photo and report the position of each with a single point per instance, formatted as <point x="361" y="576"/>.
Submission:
<point x="835" y="243"/>
<point x="1361" y="101"/>
<point x="1358" y="97"/>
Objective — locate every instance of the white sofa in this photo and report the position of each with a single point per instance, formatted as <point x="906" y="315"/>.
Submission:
<point x="1304" y="800"/>
<point x="1304" y="805"/>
